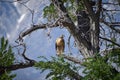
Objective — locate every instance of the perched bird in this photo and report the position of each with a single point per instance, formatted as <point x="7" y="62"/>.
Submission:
<point x="60" y="45"/>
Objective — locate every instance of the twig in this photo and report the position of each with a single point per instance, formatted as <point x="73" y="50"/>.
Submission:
<point x="32" y="11"/>
<point x="24" y="56"/>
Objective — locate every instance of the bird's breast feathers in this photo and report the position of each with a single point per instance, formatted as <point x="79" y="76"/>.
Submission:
<point x="59" y="42"/>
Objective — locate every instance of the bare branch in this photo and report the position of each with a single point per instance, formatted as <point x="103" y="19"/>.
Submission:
<point x="39" y="26"/>
<point x="72" y="59"/>
<point x="24" y="56"/>
<point x="21" y="43"/>
<point x="111" y="25"/>
<point x="110" y="41"/>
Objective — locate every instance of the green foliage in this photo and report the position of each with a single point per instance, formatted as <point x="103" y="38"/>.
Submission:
<point x="6" y="58"/>
<point x="72" y="7"/>
<point x="117" y="77"/>
<point x="112" y="44"/>
<point x="7" y="76"/>
<point x="51" y="13"/>
<point x="100" y="68"/>
<point x="115" y="56"/>
<point x="59" y="68"/>
<point x="6" y="54"/>
<point x="96" y="68"/>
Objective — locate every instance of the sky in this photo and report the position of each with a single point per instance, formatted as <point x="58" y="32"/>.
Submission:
<point x="16" y="18"/>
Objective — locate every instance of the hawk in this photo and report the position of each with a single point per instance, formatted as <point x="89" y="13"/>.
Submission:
<point x="60" y="45"/>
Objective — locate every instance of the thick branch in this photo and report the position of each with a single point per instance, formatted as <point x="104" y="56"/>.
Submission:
<point x="15" y="67"/>
<point x="72" y="59"/>
<point x="33" y="28"/>
<point x="94" y="25"/>
<point x="40" y="26"/>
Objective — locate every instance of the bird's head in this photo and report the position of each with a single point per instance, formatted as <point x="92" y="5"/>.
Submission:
<point x="62" y="36"/>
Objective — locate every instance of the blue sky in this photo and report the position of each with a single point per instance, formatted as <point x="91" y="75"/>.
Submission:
<point x="15" y="18"/>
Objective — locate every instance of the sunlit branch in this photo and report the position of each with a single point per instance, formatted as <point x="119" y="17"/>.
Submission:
<point x="72" y="59"/>
<point x="39" y="26"/>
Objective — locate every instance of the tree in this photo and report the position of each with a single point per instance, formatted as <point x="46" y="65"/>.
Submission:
<point x="96" y="35"/>
<point x="6" y="59"/>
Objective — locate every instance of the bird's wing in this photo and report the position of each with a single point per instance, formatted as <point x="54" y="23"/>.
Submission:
<point x="63" y="44"/>
<point x="56" y="45"/>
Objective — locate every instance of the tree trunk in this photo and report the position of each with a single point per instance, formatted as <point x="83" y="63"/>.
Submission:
<point x="86" y="37"/>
